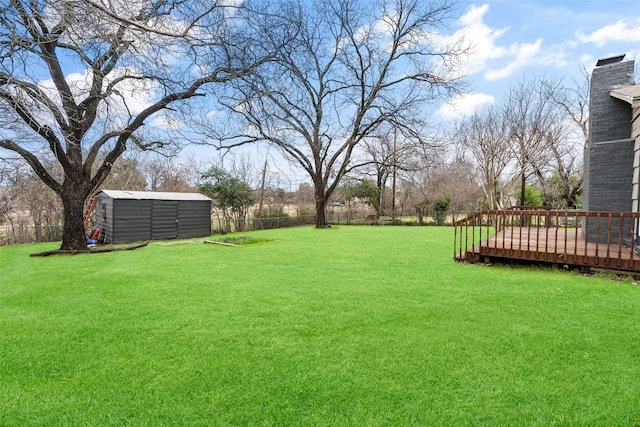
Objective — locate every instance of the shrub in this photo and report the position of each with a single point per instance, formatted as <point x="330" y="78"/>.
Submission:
<point x="441" y="208"/>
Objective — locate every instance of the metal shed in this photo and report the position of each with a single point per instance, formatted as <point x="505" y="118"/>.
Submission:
<point x="129" y="216"/>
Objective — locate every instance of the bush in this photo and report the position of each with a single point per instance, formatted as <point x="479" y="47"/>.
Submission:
<point x="441" y="209"/>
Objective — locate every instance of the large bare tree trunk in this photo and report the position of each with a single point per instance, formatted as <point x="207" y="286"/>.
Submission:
<point x="321" y="216"/>
<point x="321" y="207"/>
<point x="73" y="232"/>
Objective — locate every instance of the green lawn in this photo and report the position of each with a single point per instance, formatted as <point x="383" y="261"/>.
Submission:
<point x="353" y="326"/>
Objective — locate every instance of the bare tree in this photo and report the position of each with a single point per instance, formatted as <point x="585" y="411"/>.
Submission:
<point x="462" y="184"/>
<point x="82" y="80"/>
<point x="385" y="154"/>
<point x="574" y="101"/>
<point x="538" y="132"/>
<point x="126" y="174"/>
<point x="560" y="176"/>
<point x="422" y="185"/>
<point x="567" y="141"/>
<point x="390" y="152"/>
<point x="556" y="125"/>
<point x="483" y="137"/>
<point x="414" y="195"/>
<point x="166" y="173"/>
<point x="351" y="66"/>
<point x="26" y="201"/>
<point x="533" y="120"/>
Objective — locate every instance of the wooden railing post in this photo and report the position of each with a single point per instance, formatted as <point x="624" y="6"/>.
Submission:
<point x="569" y="237"/>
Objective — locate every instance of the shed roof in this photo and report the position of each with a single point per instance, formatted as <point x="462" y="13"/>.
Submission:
<point x="153" y="195"/>
<point x="630" y="94"/>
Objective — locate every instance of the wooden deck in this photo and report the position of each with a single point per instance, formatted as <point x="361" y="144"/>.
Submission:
<point x="558" y="247"/>
<point x="542" y="240"/>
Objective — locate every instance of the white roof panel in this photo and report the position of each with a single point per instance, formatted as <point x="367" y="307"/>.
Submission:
<point x="153" y="195"/>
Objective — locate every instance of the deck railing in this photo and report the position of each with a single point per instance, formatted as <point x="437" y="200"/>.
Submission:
<point x="581" y="238"/>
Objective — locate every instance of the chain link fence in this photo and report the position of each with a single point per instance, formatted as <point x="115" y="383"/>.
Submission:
<point x="20" y="233"/>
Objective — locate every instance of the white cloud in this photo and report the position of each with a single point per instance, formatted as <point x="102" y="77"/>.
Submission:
<point x="486" y="49"/>
<point x="481" y="38"/>
<point x="586" y="58"/>
<point x="621" y="31"/>
<point x="464" y="104"/>
<point x="524" y="54"/>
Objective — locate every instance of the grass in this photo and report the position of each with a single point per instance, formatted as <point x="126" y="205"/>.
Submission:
<point x="343" y="326"/>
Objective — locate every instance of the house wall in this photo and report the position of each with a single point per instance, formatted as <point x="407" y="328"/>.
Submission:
<point x="610" y="118"/>
<point x="608" y="165"/>
<point x="635" y="132"/>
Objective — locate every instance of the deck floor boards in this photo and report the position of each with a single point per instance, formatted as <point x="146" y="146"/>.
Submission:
<point x="557" y="246"/>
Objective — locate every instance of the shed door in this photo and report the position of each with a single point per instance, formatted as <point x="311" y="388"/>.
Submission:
<point x="130" y="220"/>
<point x="164" y="219"/>
<point x="195" y="218"/>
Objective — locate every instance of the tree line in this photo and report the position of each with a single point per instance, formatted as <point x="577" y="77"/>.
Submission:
<point x="536" y="137"/>
<point x="341" y="89"/>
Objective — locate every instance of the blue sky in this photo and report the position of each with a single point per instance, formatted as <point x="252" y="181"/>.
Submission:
<point x="517" y="38"/>
<point x="514" y="39"/>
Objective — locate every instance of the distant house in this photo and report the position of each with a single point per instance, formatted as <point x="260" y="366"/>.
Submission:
<point x="612" y="156"/>
<point x="129" y="216"/>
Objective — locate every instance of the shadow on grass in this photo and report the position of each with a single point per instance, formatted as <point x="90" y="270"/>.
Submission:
<point x="93" y="250"/>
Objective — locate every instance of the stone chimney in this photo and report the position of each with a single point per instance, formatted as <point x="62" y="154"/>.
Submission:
<point x="608" y="160"/>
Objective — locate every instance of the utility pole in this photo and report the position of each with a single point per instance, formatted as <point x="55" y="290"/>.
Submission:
<point x="393" y="180"/>
<point x="264" y="174"/>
